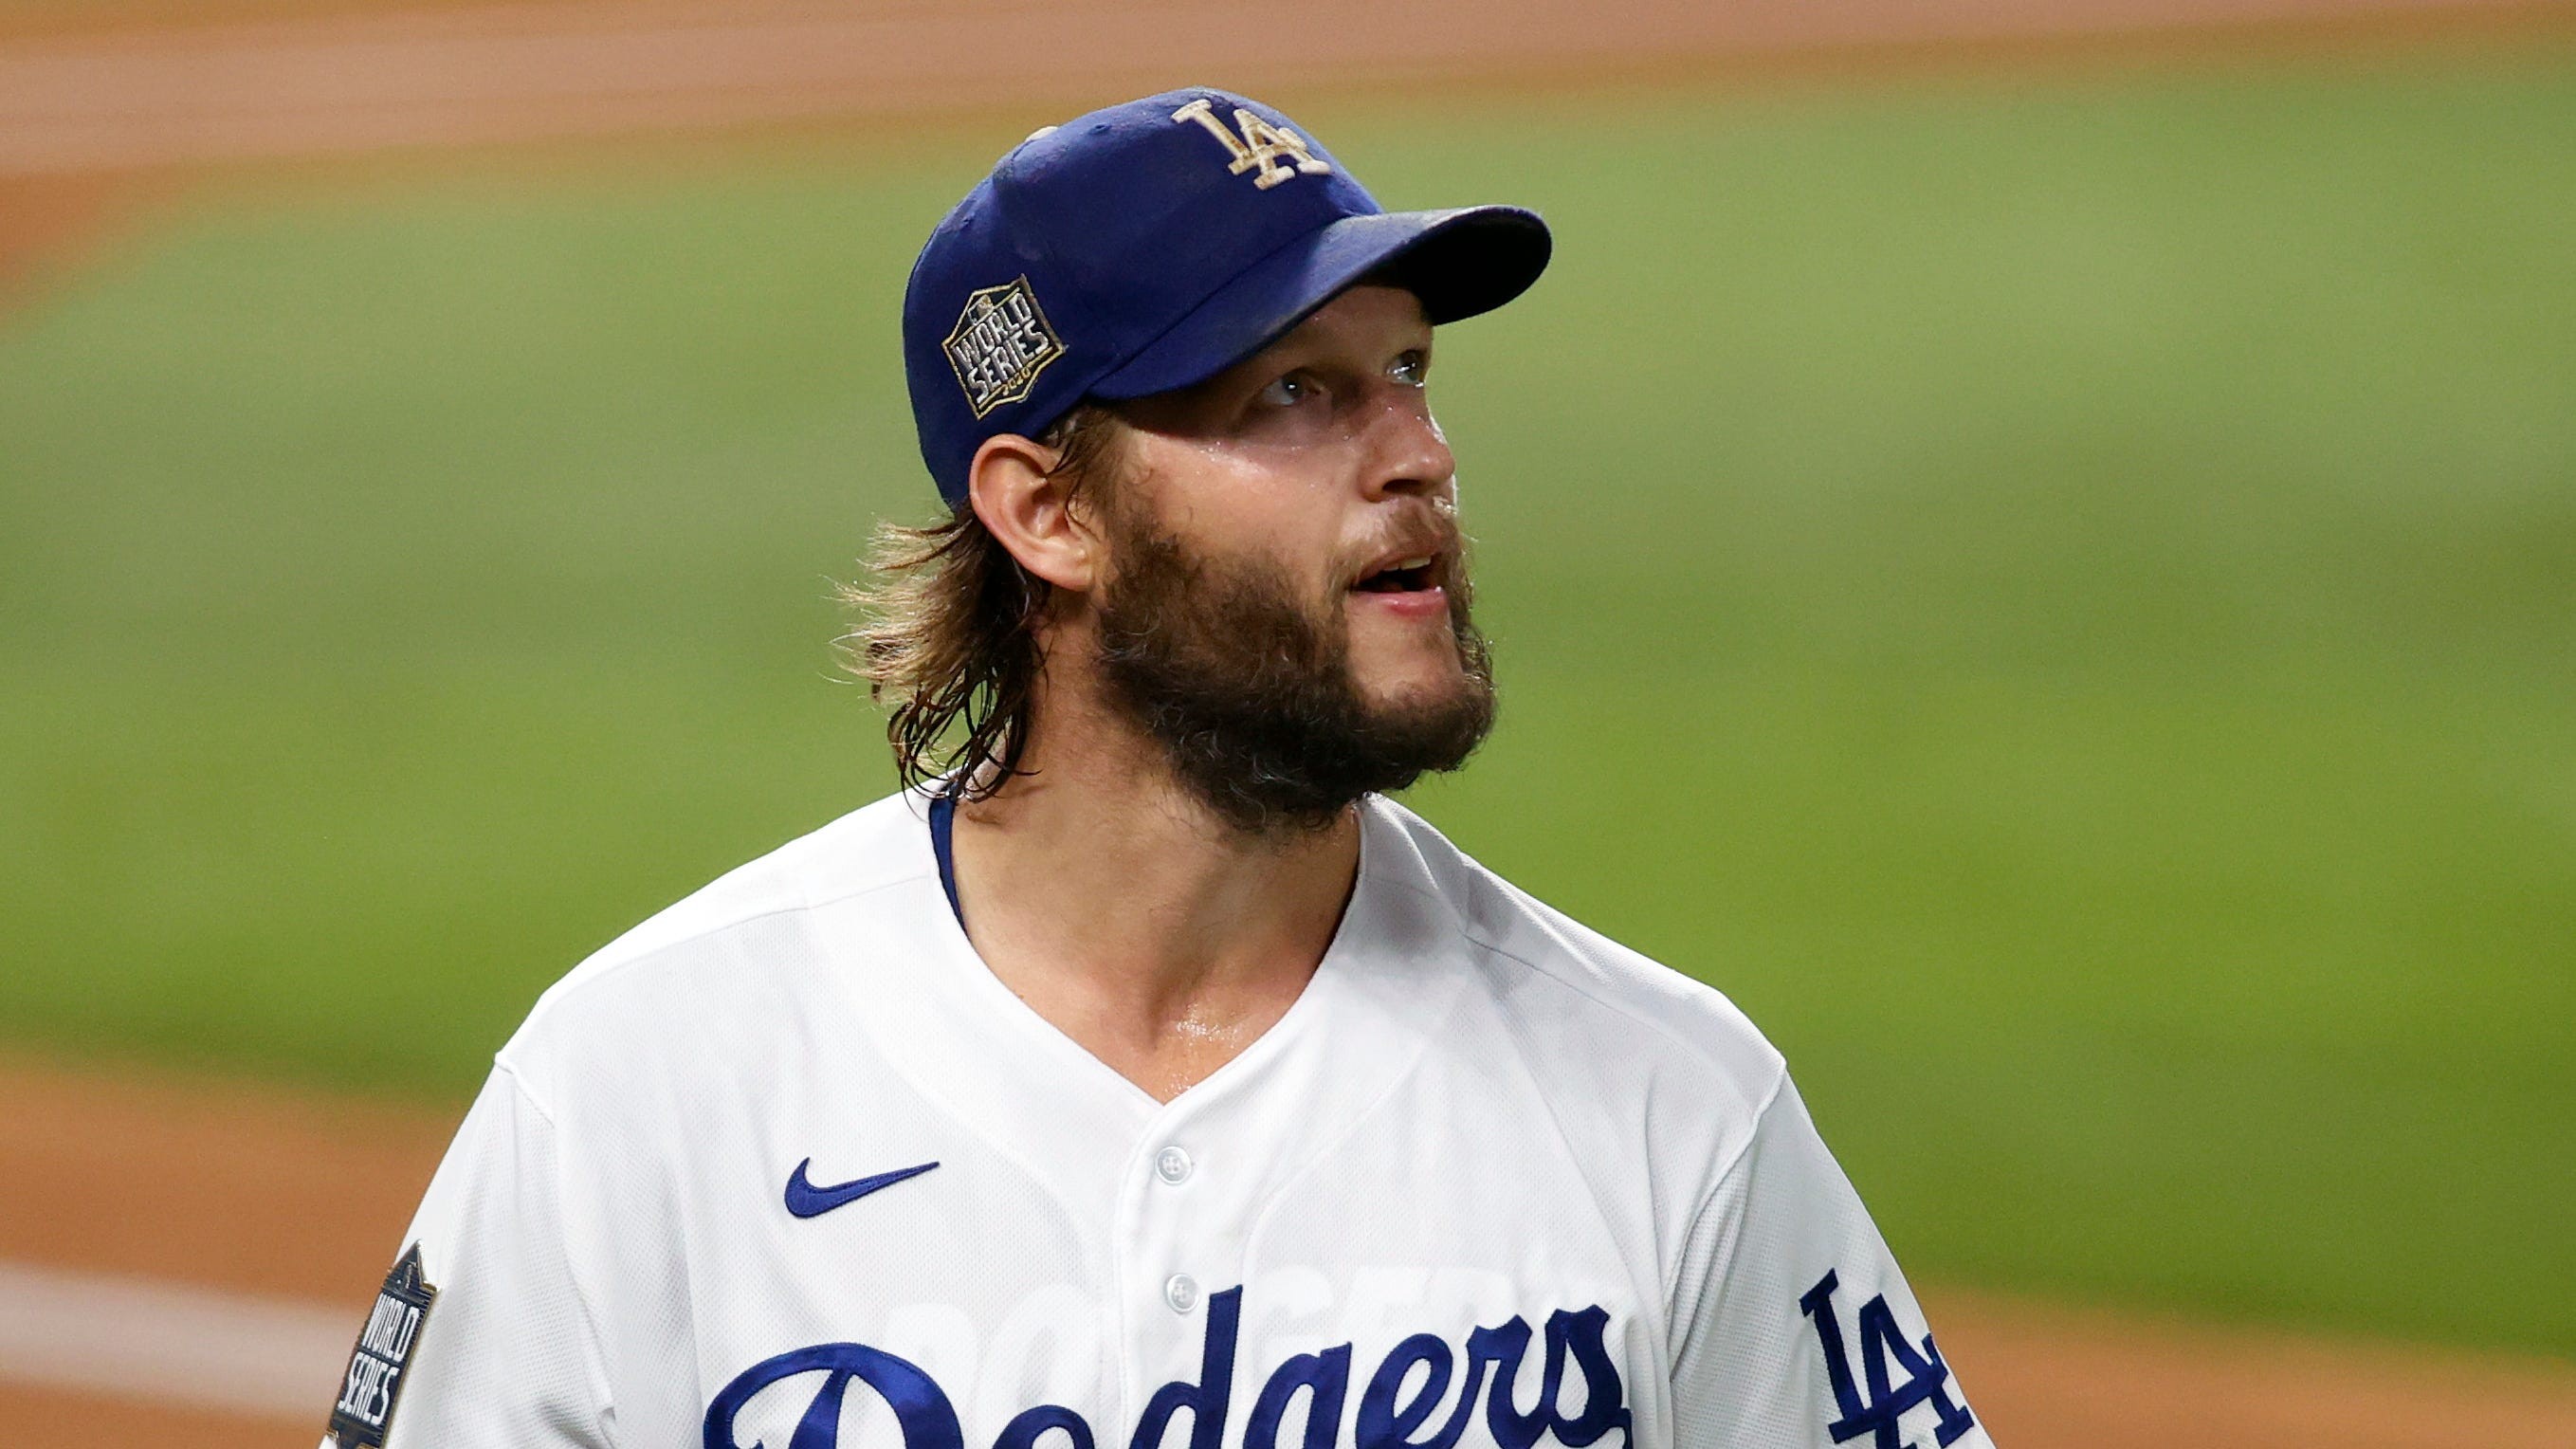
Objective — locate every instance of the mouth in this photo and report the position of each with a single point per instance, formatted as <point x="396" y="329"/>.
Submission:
<point x="1417" y="574"/>
<point x="1408" y="586"/>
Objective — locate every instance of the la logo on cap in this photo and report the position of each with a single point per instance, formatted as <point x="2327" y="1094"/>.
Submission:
<point x="1261" y="147"/>
<point x="1000" y="345"/>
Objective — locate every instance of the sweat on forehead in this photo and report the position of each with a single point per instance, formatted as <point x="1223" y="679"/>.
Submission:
<point x="1151" y="245"/>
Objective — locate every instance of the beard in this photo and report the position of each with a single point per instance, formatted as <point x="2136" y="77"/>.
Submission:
<point x="1248" y="688"/>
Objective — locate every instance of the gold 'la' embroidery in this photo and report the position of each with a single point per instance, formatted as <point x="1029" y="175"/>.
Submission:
<point x="1261" y="147"/>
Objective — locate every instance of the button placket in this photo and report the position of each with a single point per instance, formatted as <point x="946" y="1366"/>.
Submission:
<point x="1172" y="1167"/>
<point x="1186" y="1254"/>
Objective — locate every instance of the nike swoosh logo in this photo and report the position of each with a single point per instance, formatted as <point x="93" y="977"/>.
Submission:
<point x="806" y="1200"/>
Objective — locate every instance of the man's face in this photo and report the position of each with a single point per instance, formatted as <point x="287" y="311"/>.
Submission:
<point x="1286" y="605"/>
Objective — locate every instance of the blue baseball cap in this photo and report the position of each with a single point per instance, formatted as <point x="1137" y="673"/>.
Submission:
<point x="1152" y="245"/>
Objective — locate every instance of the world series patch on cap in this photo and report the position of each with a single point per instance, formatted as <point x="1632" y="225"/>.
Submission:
<point x="1001" y="344"/>
<point x="373" y="1382"/>
<point x="1152" y="245"/>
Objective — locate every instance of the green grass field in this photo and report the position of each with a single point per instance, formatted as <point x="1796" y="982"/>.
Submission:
<point x="2060" y="598"/>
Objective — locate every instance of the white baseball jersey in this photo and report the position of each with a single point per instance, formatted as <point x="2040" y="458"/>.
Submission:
<point x="788" y="1166"/>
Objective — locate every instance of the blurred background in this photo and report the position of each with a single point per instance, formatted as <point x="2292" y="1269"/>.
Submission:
<point x="2031" y="543"/>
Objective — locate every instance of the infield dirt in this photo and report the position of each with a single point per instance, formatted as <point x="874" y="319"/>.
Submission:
<point x="101" y="98"/>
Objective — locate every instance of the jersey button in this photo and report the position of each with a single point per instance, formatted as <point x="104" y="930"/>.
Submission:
<point x="1172" y="1165"/>
<point x="1181" y="1292"/>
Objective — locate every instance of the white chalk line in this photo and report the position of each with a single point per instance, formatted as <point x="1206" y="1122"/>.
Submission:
<point x="133" y="1338"/>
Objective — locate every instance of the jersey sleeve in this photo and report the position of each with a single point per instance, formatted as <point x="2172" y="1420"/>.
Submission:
<point x="1792" y="1326"/>
<point x="482" y="1335"/>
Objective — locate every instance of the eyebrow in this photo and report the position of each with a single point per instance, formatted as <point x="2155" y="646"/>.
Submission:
<point x="1292" y="356"/>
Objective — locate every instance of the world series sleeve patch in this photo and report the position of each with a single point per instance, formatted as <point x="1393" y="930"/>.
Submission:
<point x="383" y="1356"/>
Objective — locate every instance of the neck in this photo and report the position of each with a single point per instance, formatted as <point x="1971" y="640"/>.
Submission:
<point x="1125" y="912"/>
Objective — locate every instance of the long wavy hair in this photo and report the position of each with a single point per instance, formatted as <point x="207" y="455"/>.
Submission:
<point x="948" y="631"/>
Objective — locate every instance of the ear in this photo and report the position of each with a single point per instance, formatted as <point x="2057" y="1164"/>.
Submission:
<point x="1030" y="513"/>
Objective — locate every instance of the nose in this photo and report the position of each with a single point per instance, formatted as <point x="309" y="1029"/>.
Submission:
<point x="1408" y="454"/>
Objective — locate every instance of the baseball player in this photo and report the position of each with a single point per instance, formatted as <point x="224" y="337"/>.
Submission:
<point x="1141" y="1077"/>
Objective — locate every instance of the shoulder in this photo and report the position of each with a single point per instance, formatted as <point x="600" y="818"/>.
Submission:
<point x="1580" y="1003"/>
<point x="735" y="950"/>
<point x="878" y="844"/>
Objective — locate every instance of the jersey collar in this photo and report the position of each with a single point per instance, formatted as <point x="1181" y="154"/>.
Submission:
<point x="926" y="1001"/>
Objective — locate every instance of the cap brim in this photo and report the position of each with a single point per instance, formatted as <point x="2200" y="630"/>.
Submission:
<point x="1459" y="262"/>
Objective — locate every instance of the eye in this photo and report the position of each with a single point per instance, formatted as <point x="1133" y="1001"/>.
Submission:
<point x="1289" y="390"/>
<point x="1412" y="367"/>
